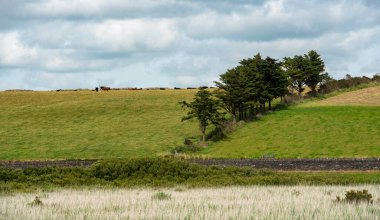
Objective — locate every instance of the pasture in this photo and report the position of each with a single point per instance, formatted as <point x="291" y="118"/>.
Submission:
<point x="306" y="132"/>
<point x="258" y="202"/>
<point x="345" y="125"/>
<point x="88" y="124"/>
<point x="147" y="123"/>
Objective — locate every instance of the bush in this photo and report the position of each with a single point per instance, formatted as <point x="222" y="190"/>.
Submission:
<point x="358" y="196"/>
<point x="161" y="196"/>
<point x="36" y="202"/>
<point x="143" y="168"/>
<point x="9" y="174"/>
<point x="348" y="82"/>
<point x="188" y="142"/>
<point x="185" y="149"/>
<point x="354" y="196"/>
<point x="216" y="134"/>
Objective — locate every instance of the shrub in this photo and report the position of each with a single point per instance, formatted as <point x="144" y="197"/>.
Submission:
<point x="161" y="196"/>
<point x="157" y="168"/>
<point x="356" y="196"/>
<point x="9" y="174"/>
<point x="36" y="202"/>
<point x="188" y="142"/>
<point x="217" y="134"/>
<point x="185" y="149"/>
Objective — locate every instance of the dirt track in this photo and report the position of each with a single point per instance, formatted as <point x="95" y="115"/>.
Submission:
<point x="282" y="164"/>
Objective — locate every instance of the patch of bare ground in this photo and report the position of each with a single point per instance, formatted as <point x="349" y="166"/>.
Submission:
<point x="369" y="97"/>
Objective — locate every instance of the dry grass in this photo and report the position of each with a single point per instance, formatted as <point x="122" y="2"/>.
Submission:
<point x="261" y="202"/>
<point x="367" y="97"/>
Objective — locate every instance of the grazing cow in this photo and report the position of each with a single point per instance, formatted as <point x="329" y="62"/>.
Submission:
<point x="96" y="89"/>
<point x="105" y="88"/>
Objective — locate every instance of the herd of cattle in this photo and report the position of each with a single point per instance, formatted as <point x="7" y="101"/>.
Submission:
<point x="106" y="88"/>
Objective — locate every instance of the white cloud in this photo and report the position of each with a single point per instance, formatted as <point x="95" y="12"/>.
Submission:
<point x="90" y="7"/>
<point x="13" y="52"/>
<point x="53" y="44"/>
<point x="132" y="35"/>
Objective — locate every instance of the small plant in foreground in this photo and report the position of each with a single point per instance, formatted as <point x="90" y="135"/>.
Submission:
<point x="296" y="193"/>
<point x="356" y="196"/>
<point x="161" y="196"/>
<point x="36" y="202"/>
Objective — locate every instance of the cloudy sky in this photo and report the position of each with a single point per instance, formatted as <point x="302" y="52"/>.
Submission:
<point x="58" y="44"/>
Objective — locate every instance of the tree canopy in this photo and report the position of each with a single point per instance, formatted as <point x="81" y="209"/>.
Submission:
<point x="205" y="109"/>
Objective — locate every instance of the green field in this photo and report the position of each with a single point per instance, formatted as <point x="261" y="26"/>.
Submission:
<point x="125" y="124"/>
<point x="328" y="131"/>
<point x="86" y="124"/>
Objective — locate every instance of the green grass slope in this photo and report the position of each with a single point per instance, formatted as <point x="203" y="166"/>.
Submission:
<point x="333" y="131"/>
<point x="125" y="124"/>
<point x="86" y="124"/>
<point x="345" y="125"/>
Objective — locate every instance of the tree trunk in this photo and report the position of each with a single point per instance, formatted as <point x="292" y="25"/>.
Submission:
<point x="313" y="91"/>
<point x="269" y="104"/>
<point x="204" y="134"/>
<point x="299" y="90"/>
<point x="281" y="101"/>
<point x="234" y="116"/>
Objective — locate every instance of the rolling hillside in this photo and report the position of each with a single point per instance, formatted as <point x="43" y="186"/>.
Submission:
<point x="347" y="125"/>
<point x="86" y="124"/>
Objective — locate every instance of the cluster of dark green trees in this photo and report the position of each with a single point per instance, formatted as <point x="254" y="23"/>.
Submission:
<point x="244" y="90"/>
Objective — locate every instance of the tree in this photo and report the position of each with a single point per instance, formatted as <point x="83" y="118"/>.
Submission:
<point x="232" y="90"/>
<point x="296" y="68"/>
<point x="205" y="109"/>
<point x="275" y="80"/>
<point x="314" y="70"/>
<point x="257" y="91"/>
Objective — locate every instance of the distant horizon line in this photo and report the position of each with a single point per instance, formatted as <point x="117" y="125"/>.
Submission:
<point x="149" y="87"/>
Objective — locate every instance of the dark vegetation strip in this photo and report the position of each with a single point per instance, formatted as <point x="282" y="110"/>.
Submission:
<point x="159" y="172"/>
<point x="328" y="164"/>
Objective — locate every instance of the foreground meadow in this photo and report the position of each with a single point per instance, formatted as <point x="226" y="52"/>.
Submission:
<point x="259" y="202"/>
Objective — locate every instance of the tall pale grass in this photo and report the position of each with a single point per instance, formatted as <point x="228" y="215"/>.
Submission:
<point x="259" y="202"/>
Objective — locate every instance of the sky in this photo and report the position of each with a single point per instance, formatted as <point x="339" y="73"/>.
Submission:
<point x="68" y="44"/>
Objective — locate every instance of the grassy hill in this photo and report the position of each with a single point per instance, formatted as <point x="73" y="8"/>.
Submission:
<point x="347" y="125"/>
<point x="86" y="124"/>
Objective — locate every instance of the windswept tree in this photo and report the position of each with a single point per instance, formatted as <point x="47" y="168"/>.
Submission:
<point x="232" y="91"/>
<point x="258" y="90"/>
<point x="205" y="109"/>
<point x="266" y="79"/>
<point x="274" y="79"/>
<point x="296" y="68"/>
<point x="305" y="70"/>
<point x="314" y="71"/>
